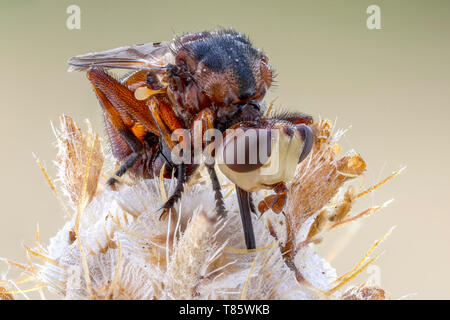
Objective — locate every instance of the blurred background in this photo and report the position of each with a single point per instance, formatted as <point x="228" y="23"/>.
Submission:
<point x="392" y="86"/>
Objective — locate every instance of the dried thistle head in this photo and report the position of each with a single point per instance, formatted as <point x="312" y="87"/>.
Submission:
<point x="4" y="295"/>
<point x="77" y="153"/>
<point x="115" y="246"/>
<point x="362" y="292"/>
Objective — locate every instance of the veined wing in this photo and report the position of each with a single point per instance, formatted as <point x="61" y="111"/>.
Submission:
<point x="147" y="56"/>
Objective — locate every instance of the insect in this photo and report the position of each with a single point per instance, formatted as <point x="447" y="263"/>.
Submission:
<point x="216" y="78"/>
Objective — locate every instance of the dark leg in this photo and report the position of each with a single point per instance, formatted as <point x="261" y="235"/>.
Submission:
<point x="181" y="179"/>
<point x="244" y="207"/>
<point x="136" y="146"/>
<point x="132" y="159"/>
<point x="183" y="176"/>
<point x="252" y="204"/>
<point x="220" y="206"/>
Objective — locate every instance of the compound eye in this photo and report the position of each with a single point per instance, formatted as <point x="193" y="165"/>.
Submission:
<point x="308" y="140"/>
<point x="248" y="150"/>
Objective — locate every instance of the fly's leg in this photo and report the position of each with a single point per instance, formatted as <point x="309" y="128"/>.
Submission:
<point x="112" y="97"/>
<point x="206" y="119"/>
<point x="220" y="205"/>
<point x="176" y="195"/>
<point x="129" y="163"/>
<point x="251" y="203"/>
<point x="275" y="201"/>
<point x="166" y="121"/>
<point x="122" y="100"/>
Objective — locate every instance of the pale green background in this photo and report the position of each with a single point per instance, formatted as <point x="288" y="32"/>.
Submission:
<point x="392" y="86"/>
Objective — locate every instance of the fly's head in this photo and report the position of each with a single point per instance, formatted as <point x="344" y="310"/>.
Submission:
<point x="260" y="154"/>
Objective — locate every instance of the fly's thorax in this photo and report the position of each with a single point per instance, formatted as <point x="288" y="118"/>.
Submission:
<point x="224" y="65"/>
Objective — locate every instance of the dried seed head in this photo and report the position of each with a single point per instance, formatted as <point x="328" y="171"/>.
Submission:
<point x="4" y="295"/>
<point x="79" y="158"/>
<point x="116" y="247"/>
<point x="364" y="293"/>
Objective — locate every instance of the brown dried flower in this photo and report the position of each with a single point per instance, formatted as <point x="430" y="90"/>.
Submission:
<point x="4" y="295"/>
<point x="364" y="293"/>
<point x="78" y="152"/>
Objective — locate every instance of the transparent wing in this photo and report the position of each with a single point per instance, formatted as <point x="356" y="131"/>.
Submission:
<point x="143" y="56"/>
